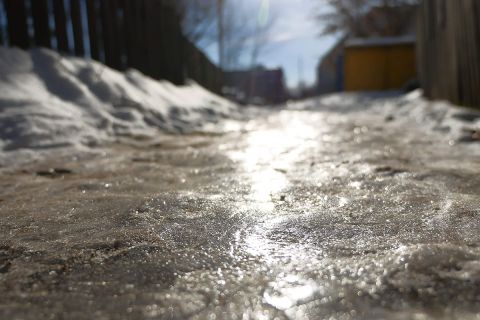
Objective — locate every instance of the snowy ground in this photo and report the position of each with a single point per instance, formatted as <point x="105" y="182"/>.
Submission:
<point x="49" y="101"/>
<point x="350" y="206"/>
<point x="438" y="117"/>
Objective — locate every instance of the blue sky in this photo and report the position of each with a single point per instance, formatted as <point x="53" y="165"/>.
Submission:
<point x="294" y="38"/>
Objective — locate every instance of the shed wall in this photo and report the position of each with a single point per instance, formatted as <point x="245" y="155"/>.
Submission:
<point x="379" y="67"/>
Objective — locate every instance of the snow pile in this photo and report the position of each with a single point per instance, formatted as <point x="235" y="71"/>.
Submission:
<point x="47" y="100"/>
<point x="456" y="123"/>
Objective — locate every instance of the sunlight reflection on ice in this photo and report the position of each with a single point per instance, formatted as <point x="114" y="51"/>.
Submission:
<point x="258" y="243"/>
<point x="289" y="291"/>
<point x="268" y="156"/>
<point x="266" y="161"/>
<point x="273" y="145"/>
<point x="263" y="186"/>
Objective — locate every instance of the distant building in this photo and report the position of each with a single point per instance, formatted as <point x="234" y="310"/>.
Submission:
<point x="330" y="70"/>
<point x="376" y="64"/>
<point x="380" y="57"/>
<point x="259" y="86"/>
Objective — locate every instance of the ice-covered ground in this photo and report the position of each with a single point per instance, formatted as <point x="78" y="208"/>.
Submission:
<point x="299" y="215"/>
<point x="48" y="101"/>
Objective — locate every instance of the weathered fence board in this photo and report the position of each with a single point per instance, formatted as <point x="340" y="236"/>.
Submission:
<point x="3" y="38"/>
<point x="76" y="16"/>
<point x="449" y="50"/>
<point x="109" y="10"/>
<point x="93" y="29"/>
<point x="155" y="38"/>
<point x="200" y="69"/>
<point x="141" y="34"/>
<point x="136" y="35"/>
<point x="172" y="36"/>
<point x="60" y="26"/>
<point x="17" y="23"/>
<point x="40" y="23"/>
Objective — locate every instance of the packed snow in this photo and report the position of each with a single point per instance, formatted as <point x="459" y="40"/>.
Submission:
<point x="48" y="100"/>
<point x="457" y="124"/>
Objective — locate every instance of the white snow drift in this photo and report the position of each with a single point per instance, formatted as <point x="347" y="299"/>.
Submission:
<point x="48" y="100"/>
<point x="438" y="117"/>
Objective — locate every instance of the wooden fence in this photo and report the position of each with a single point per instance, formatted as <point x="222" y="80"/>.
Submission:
<point x="141" y="34"/>
<point x="449" y="50"/>
<point x="200" y="69"/>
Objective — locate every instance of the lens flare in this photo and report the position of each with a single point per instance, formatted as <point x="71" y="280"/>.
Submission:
<point x="264" y="13"/>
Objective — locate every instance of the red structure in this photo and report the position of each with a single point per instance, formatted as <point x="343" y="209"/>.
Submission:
<point x="259" y="86"/>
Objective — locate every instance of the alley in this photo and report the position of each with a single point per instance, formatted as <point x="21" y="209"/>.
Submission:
<point x="295" y="214"/>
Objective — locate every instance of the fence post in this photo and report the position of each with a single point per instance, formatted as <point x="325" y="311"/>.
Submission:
<point x="449" y="50"/>
<point x="154" y="17"/>
<point x="110" y="37"/>
<point x="135" y="34"/>
<point x="76" y="16"/>
<point x="93" y="29"/>
<point x="60" y="26"/>
<point x="17" y="23"/>
<point x="40" y="16"/>
<point x="472" y="65"/>
<point x="171" y="34"/>
<point x="476" y="31"/>
<point x="2" y="36"/>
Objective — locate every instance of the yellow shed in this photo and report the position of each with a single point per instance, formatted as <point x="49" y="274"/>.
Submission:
<point x="379" y="63"/>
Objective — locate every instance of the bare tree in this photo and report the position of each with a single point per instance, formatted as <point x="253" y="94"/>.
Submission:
<point x="362" y="18"/>
<point x="238" y="32"/>
<point x="246" y="32"/>
<point x="198" y="19"/>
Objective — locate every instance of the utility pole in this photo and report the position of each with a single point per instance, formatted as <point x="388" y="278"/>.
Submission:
<point x="221" y="33"/>
<point x="301" y="82"/>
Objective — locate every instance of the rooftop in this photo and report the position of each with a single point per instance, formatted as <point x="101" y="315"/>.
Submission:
<point x="380" y="41"/>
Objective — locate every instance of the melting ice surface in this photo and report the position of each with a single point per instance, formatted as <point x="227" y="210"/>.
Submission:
<point x="350" y="249"/>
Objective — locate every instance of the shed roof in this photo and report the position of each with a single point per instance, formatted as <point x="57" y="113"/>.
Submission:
<point x="380" y="41"/>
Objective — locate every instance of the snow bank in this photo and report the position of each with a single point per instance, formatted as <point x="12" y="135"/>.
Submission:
<point x="48" y="100"/>
<point x="455" y="123"/>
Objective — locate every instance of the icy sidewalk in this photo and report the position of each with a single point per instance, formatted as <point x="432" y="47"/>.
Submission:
<point x="299" y="215"/>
